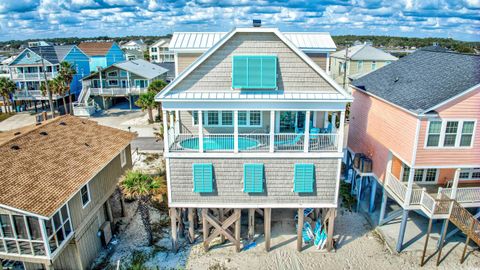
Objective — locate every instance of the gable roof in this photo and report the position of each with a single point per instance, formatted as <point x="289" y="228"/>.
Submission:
<point x="365" y="52"/>
<point x="202" y="41"/>
<point x="47" y="52"/>
<point x="139" y="67"/>
<point x="95" y="48"/>
<point x="62" y="51"/>
<point x="47" y="170"/>
<point x="422" y="80"/>
<point x="164" y="42"/>
<point x="225" y="38"/>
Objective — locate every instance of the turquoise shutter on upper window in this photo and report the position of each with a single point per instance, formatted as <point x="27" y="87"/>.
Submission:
<point x="303" y="178"/>
<point x="253" y="177"/>
<point x="254" y="72"/>
<point x="202" y="177"/>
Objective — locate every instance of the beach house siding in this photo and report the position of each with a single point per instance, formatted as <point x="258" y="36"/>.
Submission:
<point x="97" y="61"/>
<point x="353" y="67"/>
<point x="28" y="57"/>
<point x="377" y="127"/>
<point x="320" y="59"/>
<point x="183" y="60"/>
<point x="214" y="74"/>
<point x="228" y="183"/>
<point x="114" y="55"/>
<point x="466" y="107"/>
<point x="80" y="63"/>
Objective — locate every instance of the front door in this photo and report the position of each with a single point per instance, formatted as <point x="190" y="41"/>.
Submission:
<point x="123" y="84"/>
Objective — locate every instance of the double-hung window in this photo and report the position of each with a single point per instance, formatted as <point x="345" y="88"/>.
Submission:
<point x="85" y="194"/>
<point x="225" y="118"/>
<point x="450" y="133"/>
<point x="470" y="174"/>
<point x="420" y="175"/>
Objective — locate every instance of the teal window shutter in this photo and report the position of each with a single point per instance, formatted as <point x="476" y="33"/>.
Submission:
<point x="303" y="177"/>
<point x="253" y="177"/>
<point x="254" y="72"/>
<point x="202" y="177"/>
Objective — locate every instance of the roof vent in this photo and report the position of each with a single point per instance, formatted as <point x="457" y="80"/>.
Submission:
<point x="63" y="123"/>
<point x="257" y="23"/>
<point x="396" y="79"/>
<point x="15" y="147"/>
<point x="86" y="144"/>
<point x="43" y="133"/>
<point x="17" y="133"/>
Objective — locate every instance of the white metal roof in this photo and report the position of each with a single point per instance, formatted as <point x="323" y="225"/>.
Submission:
<point x="202" y="41"/>
<point x="255" y="96"/>
<point x="365" y="52"/>
<point x="142" y="68"/>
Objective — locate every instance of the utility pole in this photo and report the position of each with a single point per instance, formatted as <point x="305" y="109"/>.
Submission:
<point x="345" y="65"/>
<point x="50" y="97"/>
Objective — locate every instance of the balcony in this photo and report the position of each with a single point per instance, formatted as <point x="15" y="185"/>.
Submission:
<point x="32" y="95"/>
<point x="182" y="136"/>
<point x="117" y="91"/>
<point x="35" y="76"/>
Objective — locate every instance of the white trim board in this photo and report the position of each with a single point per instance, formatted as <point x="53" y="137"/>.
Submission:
<point x="229" y="35"/>
<point x="253" y="205"/>
<point x="279" y="155"/>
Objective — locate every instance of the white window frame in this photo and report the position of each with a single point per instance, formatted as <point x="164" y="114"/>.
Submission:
<point x="135" y="83"/>
<point x="113" y="71"/>
<point x="206" y="124"/>
<point x="88" y="193"/>
<point x="458" y="135"/>
<point x="470" y="172"/>
<point x="110" y="84"/>
<point x="424" y="175"/>
<point x="123" y="73"/>
<point x="123" y="158"/>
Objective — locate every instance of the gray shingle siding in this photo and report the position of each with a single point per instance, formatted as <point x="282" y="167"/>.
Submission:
<point x="278" y="185"/>
<point x="423" y="79"/>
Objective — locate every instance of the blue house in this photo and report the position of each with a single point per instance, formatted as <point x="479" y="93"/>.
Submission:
<point x="102" y="54"/>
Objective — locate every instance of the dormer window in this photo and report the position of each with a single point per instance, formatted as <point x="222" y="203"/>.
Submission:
<point x="254" y="72"/>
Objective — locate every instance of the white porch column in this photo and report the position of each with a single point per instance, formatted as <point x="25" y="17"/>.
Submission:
<point x="408" y="194"/>
<point x="235" y="131"/>
<point x="200" y="131"/>
<point x="172" y="123"/>
<point x="325" y="119"/>
<point x="43" y="230"/>
<point x="306" y="140"/>
<point x="389" y="162"/>
<point x="334" y="122"/>
<point x="101" y="83"/>
<point x="38" y="73"/>
<point x="455" y="183"/>
<point x="165" y="132"/>
<point x="272" y="131"/>
<point x="128" y="82"/>
<point x="341" y="132"/>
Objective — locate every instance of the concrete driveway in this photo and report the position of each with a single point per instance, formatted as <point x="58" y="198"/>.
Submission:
<point x="19" y="120"/>
<point x="147" y="144"/>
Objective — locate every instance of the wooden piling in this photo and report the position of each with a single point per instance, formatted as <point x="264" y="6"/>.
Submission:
<point x="442" y="241"/>
<point x="267" y="220"/>
<point x="300" y="229"/>
<point x="237" y="229"/>
<point x="251" y="224"/>
<point x="426" y="242"/>
<point x="173" y="222"/>
<point x="191" y="227"/>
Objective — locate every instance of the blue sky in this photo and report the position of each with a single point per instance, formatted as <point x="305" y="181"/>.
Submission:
<point x="23" y="19"/>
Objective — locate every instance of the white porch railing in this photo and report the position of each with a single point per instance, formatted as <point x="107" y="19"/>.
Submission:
<point x="427" y="202"/>
<point x="262" y="142"/>
<point x="118" y="91"/>
<point x="289" y="142"/>
<point x="323" y="142"/>
<point x="31" y="95"/>
<point x="397" y="187"/>
<point x="33" y="76"/>
<point x="464" y="195"/>
<point x="84" y="108"/>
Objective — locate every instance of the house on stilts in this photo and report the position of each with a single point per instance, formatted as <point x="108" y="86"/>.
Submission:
<point x="413" y="131"/>
<point x="252" y="125"/>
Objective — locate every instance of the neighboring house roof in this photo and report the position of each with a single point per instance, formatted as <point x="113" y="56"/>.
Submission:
<point x="95" y="48"/>
<point x="62" y="51"/>
<point x="342" y="94"/>
<point x="139" y="67"/>
<point x="170" y="66"/>
<point x="134" y="43"/>
<point x="365" y="52"/>
<point x="47" y="52"/>
<point x="8" y="60"/>
<point x="164" y="42"/>
<point x="47" y="170"/>
<point x="204" y="40"/>
<point x="422" y="80"/>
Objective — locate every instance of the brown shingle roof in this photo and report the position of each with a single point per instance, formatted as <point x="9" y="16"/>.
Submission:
<point x="48" y="169"/>
<point x="95" y="48"/>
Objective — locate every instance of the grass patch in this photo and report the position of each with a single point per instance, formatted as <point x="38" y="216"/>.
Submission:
<point x="347" y="198"/>
<point x="4" y="116"/>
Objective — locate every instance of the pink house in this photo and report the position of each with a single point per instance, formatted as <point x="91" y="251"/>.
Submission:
<point x="417" y="120"/>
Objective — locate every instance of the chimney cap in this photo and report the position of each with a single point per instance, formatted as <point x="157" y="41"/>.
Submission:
<point x="257" y="23"/>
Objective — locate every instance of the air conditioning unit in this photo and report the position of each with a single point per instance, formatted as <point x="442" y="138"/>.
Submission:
<point x="105" y="232"/>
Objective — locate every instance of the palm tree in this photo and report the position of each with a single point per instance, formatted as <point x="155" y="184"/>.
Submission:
<point x="144" y="188"/>
<point x="66" y="73"/>
<point x="146" y="101"/>
<point x="7" y="87"/>
<point x="61" y="88"/>
<point x="54" y="88"/>
<point x="155" y="87"/>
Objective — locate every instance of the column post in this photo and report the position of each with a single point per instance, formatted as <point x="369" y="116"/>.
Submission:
<point x="43" y="230"/>
<point x="341" y="132"/>
<point x="325" y="119"/>
<point x="272" y="131"/>
<point x="235" y="131"/>
<point x="401" y="234"/>
<point x="200" y="131"/>
<point x="306" y="140"/>
<point x="166" y="142"/>
<point x="334" y="121"/>
<point x="408" y="194"/>
<point x="455" y="184"/>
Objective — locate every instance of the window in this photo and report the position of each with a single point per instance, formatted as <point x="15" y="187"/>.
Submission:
<point x="359" y="65"/>
<point x="420" y="175"/>
<point x="450" y="133"/>
<point x="6" y="226"/>
<point x="470" y="174"/>
<point x="123" y="158"/>
<point x="85" y="194"/>
<point x="112" y="82"/>
<point x="431" y="175"/>
<point x="253" y="177"/>
<point x="303" y="177"/>
<point x="58" y="228"/>
<point x="254" y="72"/>
<point x="406" y="173"/>
<point x="141" y="83"/>
<point x="374" y="65"/>
<point x="153" y="49"/>
<point x="227" y="118"/>
<point x="202" y="177"/>
<point x="255" y="118"/>
<point x="467" y="133"/>
<point x="212" y="118"/>
<point x="112" y="74"/>
<point x="434" y="133"/>
<point x="242" y="118"/>
<point x="123" y="73"/>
